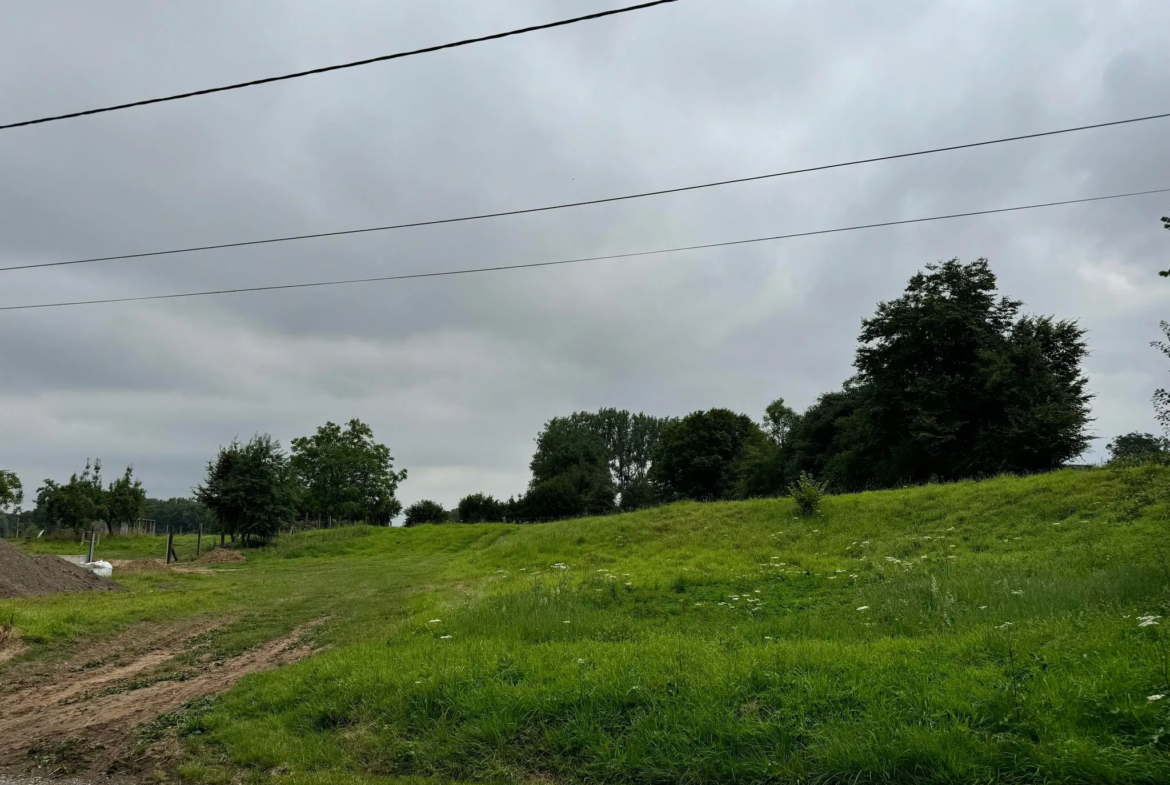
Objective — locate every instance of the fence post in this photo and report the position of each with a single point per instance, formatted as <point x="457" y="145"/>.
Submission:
<point x="92" y="537"/>
<point x="199" y="540"/>
<point x="170" y="543"/>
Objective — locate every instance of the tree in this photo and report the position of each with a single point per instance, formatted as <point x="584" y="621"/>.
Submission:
<point x="249" y="489"/>
<point x="630" y="442"/>
<point x="347" y="475"/>
<point x="425" y="511"/>
<point x="1162" y="396"/>
<point x="698" y="455"/>
<point x="478" y="508"/>
<point x="11" y="493"/>
<point x="125" y="499"/>
<point x="951" y="383"/>
<point x="1138" y="448"/>
<point x="762" y="468"/>
<point x="570" y="473"/>
<point x="79" y="503"/>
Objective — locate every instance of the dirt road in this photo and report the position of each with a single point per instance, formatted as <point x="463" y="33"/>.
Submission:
<point x="81" y="714"/>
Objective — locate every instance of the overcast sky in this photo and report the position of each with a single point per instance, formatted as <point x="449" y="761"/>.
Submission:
<point x="458" y="374"/>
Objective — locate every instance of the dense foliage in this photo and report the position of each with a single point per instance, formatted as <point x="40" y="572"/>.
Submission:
<point x="346" y="475"/>
<point x="249" y="489"/>
<point x="698" y="456"/>
<point x="178" y="514"/>
<point x="1133" y="448"/>
<point x="951" y="383"/>
<point x="11" y="492"/>
<point x="480" y="508"/>
<point x="78" y="503"/>
<point x="425" y="511"/>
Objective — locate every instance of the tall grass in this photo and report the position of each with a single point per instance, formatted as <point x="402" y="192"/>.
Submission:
<point x="976" y="632"/>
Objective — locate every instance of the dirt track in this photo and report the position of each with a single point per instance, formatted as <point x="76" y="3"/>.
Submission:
<point x="94" y="701"/>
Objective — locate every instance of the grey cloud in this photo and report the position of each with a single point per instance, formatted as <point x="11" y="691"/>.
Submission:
<point x="457" y="375"/>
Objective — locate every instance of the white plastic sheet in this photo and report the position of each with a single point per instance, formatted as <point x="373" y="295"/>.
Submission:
<point x="102" y="569"/>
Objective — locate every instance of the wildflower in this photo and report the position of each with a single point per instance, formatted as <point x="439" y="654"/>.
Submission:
<point x="580" y="661"/>
<point x="1153" y="698"/>
<point x="767" y="637"/>
<point x="444" y="637"/>
<point x="1005" y="625"/>
<point x="982" y="607"/>
<point x="852" y="576"/>
<point x="1017" y="592"/>
<point x="434" y="621"/>
<point x="566" y="621"/>
<point x="863" y="608"/>
<point x="950" y="557"/>
<point x="838" y="571"/>
<point x="1148" y="621"/>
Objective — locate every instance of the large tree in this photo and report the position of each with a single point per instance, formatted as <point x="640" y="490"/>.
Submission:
<point x="952" y="382"/>
<point x="630" y="442"/>
<point x="699" y="454"/>
<point x="425" y="511"/>
<point x="125" y="499"/>
<point x="762" y="467"/>
<point x="249" y="489"/>
<point x="479" y="508"/>
<point x="77" y="504"/>
<point x="570" y="473"/>
<point x="347" y="475"/>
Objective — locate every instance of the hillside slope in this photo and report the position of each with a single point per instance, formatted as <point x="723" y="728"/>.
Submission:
<point x="985" y="631"/>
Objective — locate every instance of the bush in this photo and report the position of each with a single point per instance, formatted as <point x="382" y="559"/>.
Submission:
<point x="425" y="511"/>
<point x="479" y="508"/>
<point x="807" y="493"/>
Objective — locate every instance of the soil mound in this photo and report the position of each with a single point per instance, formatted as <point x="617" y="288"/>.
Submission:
<point x="27" y="575"/>
<point x="221" y="556"/>
<point x="137" y="565"/>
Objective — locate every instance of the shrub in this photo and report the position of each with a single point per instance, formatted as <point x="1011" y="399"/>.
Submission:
<point x="479" y="508"/>
<point x="425" y="511"/>
<point x="807" y="493"/>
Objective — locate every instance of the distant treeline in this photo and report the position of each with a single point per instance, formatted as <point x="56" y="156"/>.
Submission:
<point x="951" y="382"/>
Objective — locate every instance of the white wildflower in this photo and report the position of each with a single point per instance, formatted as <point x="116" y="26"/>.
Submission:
<point x="1153" y="698"/>
<point x="1017" y="592"/>
<point x="863" y="608"/>
<point x="444" y="637"/>
<point x="1148" y="621"/>
<point x="566" y="621"/>
<point x="434" y="621"/>
<point x="580" y="661"/>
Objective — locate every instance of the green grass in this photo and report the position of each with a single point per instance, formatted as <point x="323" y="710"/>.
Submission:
<point x="975" y="632"/>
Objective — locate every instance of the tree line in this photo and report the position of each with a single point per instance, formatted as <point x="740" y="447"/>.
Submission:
<point x="951" y="382"/>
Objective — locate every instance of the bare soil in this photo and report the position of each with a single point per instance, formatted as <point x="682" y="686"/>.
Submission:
<point x="28" y="575"/>
<point x="90" y="705"/>
<point x="221" y="556"/>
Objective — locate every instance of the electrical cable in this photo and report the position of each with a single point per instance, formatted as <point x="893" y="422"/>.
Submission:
<point x="565" y="205"/>
<point x="531" y="265"/>
<point x="326" y="69"/>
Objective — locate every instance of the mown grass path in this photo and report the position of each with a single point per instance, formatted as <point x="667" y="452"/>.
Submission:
<point x="976" y="632"/>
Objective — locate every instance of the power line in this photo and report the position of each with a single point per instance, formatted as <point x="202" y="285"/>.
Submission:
<point x="531" y="265"/>
<point x="326" y="69"/>
<point x="606" y="200"/>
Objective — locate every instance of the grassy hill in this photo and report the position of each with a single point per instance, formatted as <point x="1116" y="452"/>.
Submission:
<point x="971" y="632"/>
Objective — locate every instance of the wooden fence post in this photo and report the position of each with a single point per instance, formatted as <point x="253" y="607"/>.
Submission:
<point x="199" y="540"/>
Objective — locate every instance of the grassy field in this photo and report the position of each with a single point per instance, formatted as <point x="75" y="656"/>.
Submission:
<point x="974" y="632"/>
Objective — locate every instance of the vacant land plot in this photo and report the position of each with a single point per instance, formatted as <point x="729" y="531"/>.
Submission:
<point x="1007" y="630"/>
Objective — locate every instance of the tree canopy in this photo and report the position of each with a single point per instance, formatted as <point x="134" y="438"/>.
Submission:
<point x="346" y="475"/>
<point x="249" y="489"/>
<point x="76" y="504"/>
<point x="479" y="508"/>
<point x="125" y="498"/>
<point x="178" y="513"/>
<point x="951" y="383"/>
<point x="425" y="511"/>
<point x="697" y="457"/>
